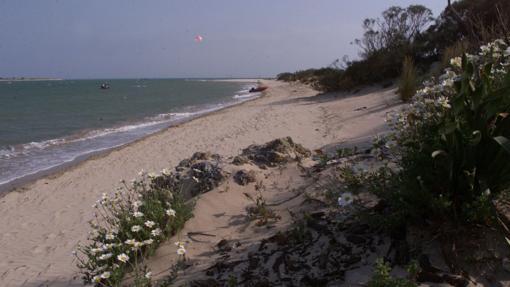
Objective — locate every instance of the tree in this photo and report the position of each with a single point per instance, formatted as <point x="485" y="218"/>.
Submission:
<point x="397" y="28"/>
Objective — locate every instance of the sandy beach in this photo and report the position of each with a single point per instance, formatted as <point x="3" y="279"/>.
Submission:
<point x="41" y="223"/>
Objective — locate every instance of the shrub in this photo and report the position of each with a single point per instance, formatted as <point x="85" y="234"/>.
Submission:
<point x="407" y="84"/>
<point x="382" y="277"/>
<point x="453" y="139"/>
<point x="323" y="79"/>
<point x="129" y="226"/>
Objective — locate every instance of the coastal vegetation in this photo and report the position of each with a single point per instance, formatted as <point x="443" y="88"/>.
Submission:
<point x="128" y="227"/>
<point x="452" y="140"/>
<point x="412" y="32"/>
<point x="444" y="165"/>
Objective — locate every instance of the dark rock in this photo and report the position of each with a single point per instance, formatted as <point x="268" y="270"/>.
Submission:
<point x="204" y="283"/>
<point x="260" y="283"/>
<point x="185" y="163"/>
<point x="425" y="264"/>
<point x="240" y="160"/>
<point x="402" y="254"/>
<point x="224" y="245"/>
<point x="200" y="156"/>
<point x="355" y="239"/>
<point x="275" y="152"/>
<point x="243" y="177"/>
<point x="191" y="177"/>
<point x="307" y="280"/>
<point x="359" y="229"/>
<point x="350" y="260"/>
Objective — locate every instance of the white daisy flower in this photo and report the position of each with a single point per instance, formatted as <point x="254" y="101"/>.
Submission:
<point x="156" y="232"/>
<point x="443" y="101"/>
<point x="456" y="62"/>
<point x="123" y="258"/>
<point x="181" y="251"/>
<point x="148" y="275"/>
<point x="170" y="212"/>
<point x="136" y="228"/>
<point x="137" y="214"/>
<point x="345" y="199"/>
<point x="165" y="172"/>
<point x="149" y="223"/>
<point x="105" y="275"/>
<point x="105" y="256"/>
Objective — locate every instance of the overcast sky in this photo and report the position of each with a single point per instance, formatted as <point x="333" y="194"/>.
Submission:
<point x="155" y="38"/>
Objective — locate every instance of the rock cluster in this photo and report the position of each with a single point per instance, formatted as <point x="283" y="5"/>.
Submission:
<point x="243" y="177"/>
<point x="196" y="175"/>
<point x="273" y="153"/>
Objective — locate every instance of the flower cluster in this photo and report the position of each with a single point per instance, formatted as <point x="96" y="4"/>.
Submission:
<point x="449" y="126"/>
<point x="432" y="102"/>
<point x="127" y="226"/>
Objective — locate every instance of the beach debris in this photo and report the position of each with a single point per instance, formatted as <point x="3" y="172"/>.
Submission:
<point x="243" y="177"/>
<point x="276" y="152"/>
<point x="315" y="252"/>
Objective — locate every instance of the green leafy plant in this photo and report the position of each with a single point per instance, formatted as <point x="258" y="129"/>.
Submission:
<point x="128" y="227"/>
<point x="453" y="138"/>
<point x="383" y="278"/>
<point x="261" y="211"/>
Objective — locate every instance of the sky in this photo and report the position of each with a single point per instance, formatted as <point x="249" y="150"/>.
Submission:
<point x="155" y="38"/>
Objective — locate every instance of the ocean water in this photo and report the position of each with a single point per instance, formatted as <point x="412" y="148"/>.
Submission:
<point x="44" y="124"/>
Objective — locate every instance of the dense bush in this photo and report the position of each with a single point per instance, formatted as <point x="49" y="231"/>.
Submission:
<point x="128" y="227"/>
<point x="453" y="140"/>
<point x="323" y="79"/>
<point x="460" y="28"/>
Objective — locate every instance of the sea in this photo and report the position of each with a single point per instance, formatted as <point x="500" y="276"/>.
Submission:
<point x="47" y="124"/>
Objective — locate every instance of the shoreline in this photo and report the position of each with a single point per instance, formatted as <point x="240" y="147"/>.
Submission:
<point x="41" y="224"/>
<point x="21" y="183"/>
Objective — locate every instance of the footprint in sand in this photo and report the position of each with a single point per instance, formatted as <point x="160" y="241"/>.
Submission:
<point x="41" y="249"/>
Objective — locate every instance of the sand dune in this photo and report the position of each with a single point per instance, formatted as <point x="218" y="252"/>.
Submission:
<point x="41" y="225"/>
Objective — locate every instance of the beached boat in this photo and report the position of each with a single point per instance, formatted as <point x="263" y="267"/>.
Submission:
<point x="258" y="89"/>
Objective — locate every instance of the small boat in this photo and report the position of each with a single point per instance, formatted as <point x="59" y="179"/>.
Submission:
<point x="258" y="89"/>
<point x="105" y="86"/>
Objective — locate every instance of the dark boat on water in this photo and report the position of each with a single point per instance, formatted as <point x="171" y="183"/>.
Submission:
<point x="258" y="89"/>
<point x="104" y="86"/>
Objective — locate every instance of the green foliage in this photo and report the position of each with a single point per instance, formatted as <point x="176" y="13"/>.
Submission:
<point x="323" y="79"/>
<point x="382" y="277"/>
<point x="407" y="84"/>
<point x="452" y="140"/>
<point x="475" y="21"/>
<point x="261" y="211"/>
<point x="397" y="29"/>
<point x="128" y="227"/>
<point x="351" y="178"/>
